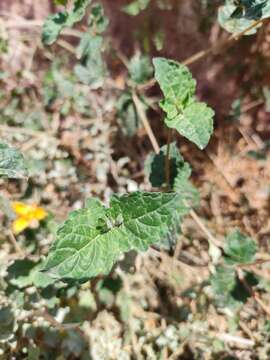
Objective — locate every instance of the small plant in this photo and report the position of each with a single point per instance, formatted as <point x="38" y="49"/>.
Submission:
<point x="65" y="287"/>
<point x="92" y="239"/>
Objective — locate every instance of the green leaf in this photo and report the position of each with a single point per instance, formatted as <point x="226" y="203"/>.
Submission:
<point x="24" y="273"/>
<point x="98" y="22"/>
<point x="140" y="68"/>
<point x="55" y="23"/>
<point x="78" y="11"/>
<point x="195" y="123"/>
<point x="252" y="9"/>
<point x="223" y="281"/>
<point x="12" y="163"/>
<point x="236" y="16"/>
<point x="92" y="239"/>
<point x="52" y="27"/>
<point x="176" y="83"/>
<point x="135" y="7"/>
<point x="180" y="172"/>
<point x="192" y="119"/>
<point x="233" y="25"/>
<point x="239" y="248"/>
<point x="91" y="70"/>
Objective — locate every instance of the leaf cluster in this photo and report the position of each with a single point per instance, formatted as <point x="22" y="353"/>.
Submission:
<point x="191" y="118"/>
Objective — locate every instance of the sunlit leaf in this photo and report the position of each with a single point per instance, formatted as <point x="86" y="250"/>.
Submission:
<point x="92" y="239"/>
<point x="192" y="119"/>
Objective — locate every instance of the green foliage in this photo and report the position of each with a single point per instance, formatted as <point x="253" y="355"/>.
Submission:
<point x="55" y="23"/>
<point x="192" y="119"/>
<point x="224" y="280"/>
<point x="140" y="68"/>
<point x="24" y="273"/>
<point x="92" y="239"/>
<point x="237" y="15"/>
<point x="252" y="9"/>
<point x="59" y="87"/>
<point x="97" y="22"/>
<point x="230" y="289"/>
<point x="135" y="7"/>
<point x="239" y="248"/>
<point x="180" y="172"/>
<point x="91" y="69"/>
<point x="12" y="163"/>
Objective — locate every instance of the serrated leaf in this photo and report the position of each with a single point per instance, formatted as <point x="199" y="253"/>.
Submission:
<point x="55" y="23"/>
<point x="239" y="248"/>
<point x="176" y="83"/>
<point x="195" y="123"/>
<point x="92" y="239"/>
<point x="180" y="172"/>
<point x="192" y="119"/>
<point x="12" y="163"/>
<point x="140" y="68"/>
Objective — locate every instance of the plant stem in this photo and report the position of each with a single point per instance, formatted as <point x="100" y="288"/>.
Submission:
<point x="141" y="113"/>
<point x="167" y="161"/>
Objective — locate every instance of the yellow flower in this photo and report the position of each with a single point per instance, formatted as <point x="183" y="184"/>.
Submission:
<point x="27" y="216"/>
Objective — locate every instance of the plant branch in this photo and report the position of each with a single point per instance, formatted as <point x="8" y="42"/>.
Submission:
<point x="218" y="45"/>
<point x="156" y="147"/>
